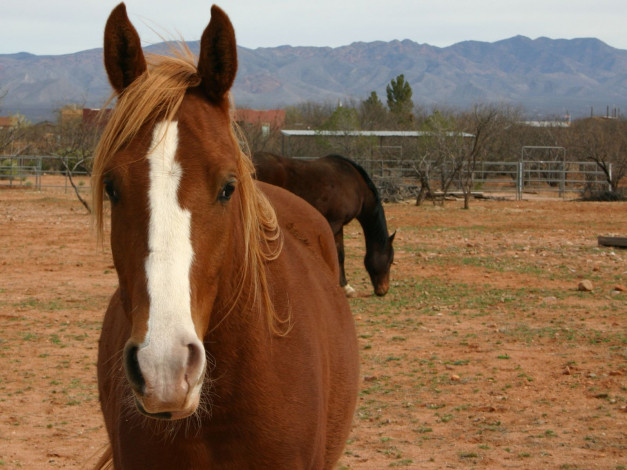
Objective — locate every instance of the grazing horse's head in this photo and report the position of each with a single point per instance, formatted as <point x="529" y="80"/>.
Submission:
<point x="181" y="196"/>
<point x="378" y="261"/>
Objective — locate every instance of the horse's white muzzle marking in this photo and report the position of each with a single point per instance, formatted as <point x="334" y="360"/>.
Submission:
<point x="171" y="358"/>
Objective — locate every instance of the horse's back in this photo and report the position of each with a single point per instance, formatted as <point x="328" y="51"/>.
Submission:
<point x="331" y="184"/>
<point x="300" y="222"/>
<point x="320" y="312"/>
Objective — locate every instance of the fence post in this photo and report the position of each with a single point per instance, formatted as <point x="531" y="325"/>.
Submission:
<point x="519" y="182"/>
<point x="38" y="174"/>
<point x="563" y="179"/>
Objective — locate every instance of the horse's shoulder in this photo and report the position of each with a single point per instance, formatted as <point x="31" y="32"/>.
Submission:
<point x="302" y="223"/>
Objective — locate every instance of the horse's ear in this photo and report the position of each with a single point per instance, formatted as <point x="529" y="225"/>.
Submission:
<point x="217" y="63"/>
<point x="123" y="55"/>
<point x="391" y="238"/>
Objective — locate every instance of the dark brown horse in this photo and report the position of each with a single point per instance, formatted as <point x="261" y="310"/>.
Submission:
<point x="342" y="191"/>
<point x="228" y="343"/>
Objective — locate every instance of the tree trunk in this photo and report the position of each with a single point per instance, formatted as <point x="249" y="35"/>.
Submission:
<point x="467" y="198"/>
<point x="422" y="194"/>
<point x="69" y="173"/>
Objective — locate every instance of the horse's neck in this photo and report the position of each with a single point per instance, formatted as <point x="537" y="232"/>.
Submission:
<point x="372" y="221"/>
<point x="229" y="280"/>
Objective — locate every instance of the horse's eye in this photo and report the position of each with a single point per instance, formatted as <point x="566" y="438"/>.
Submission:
<point x="227" y="191"/>
<point x="112" y="193"/>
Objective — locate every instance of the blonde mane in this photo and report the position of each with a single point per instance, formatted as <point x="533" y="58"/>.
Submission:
<point x="155" y="95"/>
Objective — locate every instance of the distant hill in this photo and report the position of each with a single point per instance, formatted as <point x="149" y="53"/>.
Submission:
<point x="548" y="77"/>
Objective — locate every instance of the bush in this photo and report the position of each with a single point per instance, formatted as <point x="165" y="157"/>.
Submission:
<point x="605" y="196"/>
<point x="8" y="169"/>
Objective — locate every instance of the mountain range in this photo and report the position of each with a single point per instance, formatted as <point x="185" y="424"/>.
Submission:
<point x="546" y="77"/>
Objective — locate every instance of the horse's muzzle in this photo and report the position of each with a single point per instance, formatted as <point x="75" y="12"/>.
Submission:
<point x="166" y="381"/>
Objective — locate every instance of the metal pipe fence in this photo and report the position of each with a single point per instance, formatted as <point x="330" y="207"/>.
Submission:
<point x="400" y="178"/>
<point x="395" y="178"/>
<point x="39" y="172"/>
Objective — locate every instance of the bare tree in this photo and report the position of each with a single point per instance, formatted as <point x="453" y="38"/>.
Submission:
<point x="603" y="141"/>
<point x="423" y="166"/>
<point x="481" y="136"/>
<point x="455" y="142"/>
<point x="75" y="144"/>
<point x="13" y="138"/>
<point x="261" y="137"/>
<point x="438" y="157"/>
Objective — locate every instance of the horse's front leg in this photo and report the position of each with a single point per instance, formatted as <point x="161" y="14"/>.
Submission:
<point x="339" y="245"/>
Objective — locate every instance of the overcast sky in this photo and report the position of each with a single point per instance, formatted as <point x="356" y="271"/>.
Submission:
<point x="67" y="26"/>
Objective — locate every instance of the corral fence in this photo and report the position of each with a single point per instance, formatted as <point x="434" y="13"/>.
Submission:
<point x="394" y="161"/>
<point x="38" y="172"/>
<point x="398" y="179"/>
<point x="396" y="176"/>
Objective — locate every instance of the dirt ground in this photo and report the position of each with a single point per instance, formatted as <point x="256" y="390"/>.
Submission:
<point x="484" y="354"/>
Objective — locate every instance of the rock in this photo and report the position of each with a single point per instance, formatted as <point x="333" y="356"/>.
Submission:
<point x="585" y="286"/>
<point x="617" y="290"/>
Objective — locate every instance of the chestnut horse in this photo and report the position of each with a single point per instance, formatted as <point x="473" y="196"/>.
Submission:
<point x="341" y="190"/>
<point x="228" y="343"/>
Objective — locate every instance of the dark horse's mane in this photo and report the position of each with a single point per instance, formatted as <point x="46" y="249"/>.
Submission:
<point x="378" y="216"/>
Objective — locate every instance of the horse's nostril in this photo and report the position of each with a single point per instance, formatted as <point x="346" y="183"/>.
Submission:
<point x="193" y="354"/>
<point x="133" y="371"/>
<point x="195" y="363"/>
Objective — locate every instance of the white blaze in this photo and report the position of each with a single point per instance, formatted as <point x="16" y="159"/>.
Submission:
<point x="170" y="252"/>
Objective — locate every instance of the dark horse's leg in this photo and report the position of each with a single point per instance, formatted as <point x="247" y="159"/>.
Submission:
<point x="339" y="245"/>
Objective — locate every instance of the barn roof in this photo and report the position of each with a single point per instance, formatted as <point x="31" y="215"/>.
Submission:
<point x="305" y="133"/>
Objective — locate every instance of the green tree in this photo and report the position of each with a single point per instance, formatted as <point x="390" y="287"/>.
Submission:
<point x="372" y="113"/>
<point x="373" y="101"/>
<point x="399" y="95"/>
<point x="308" y="115"/>
<point x="342" y="119"/>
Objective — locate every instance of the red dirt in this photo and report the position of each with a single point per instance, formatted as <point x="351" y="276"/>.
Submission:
<point x="483" y="354"/>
